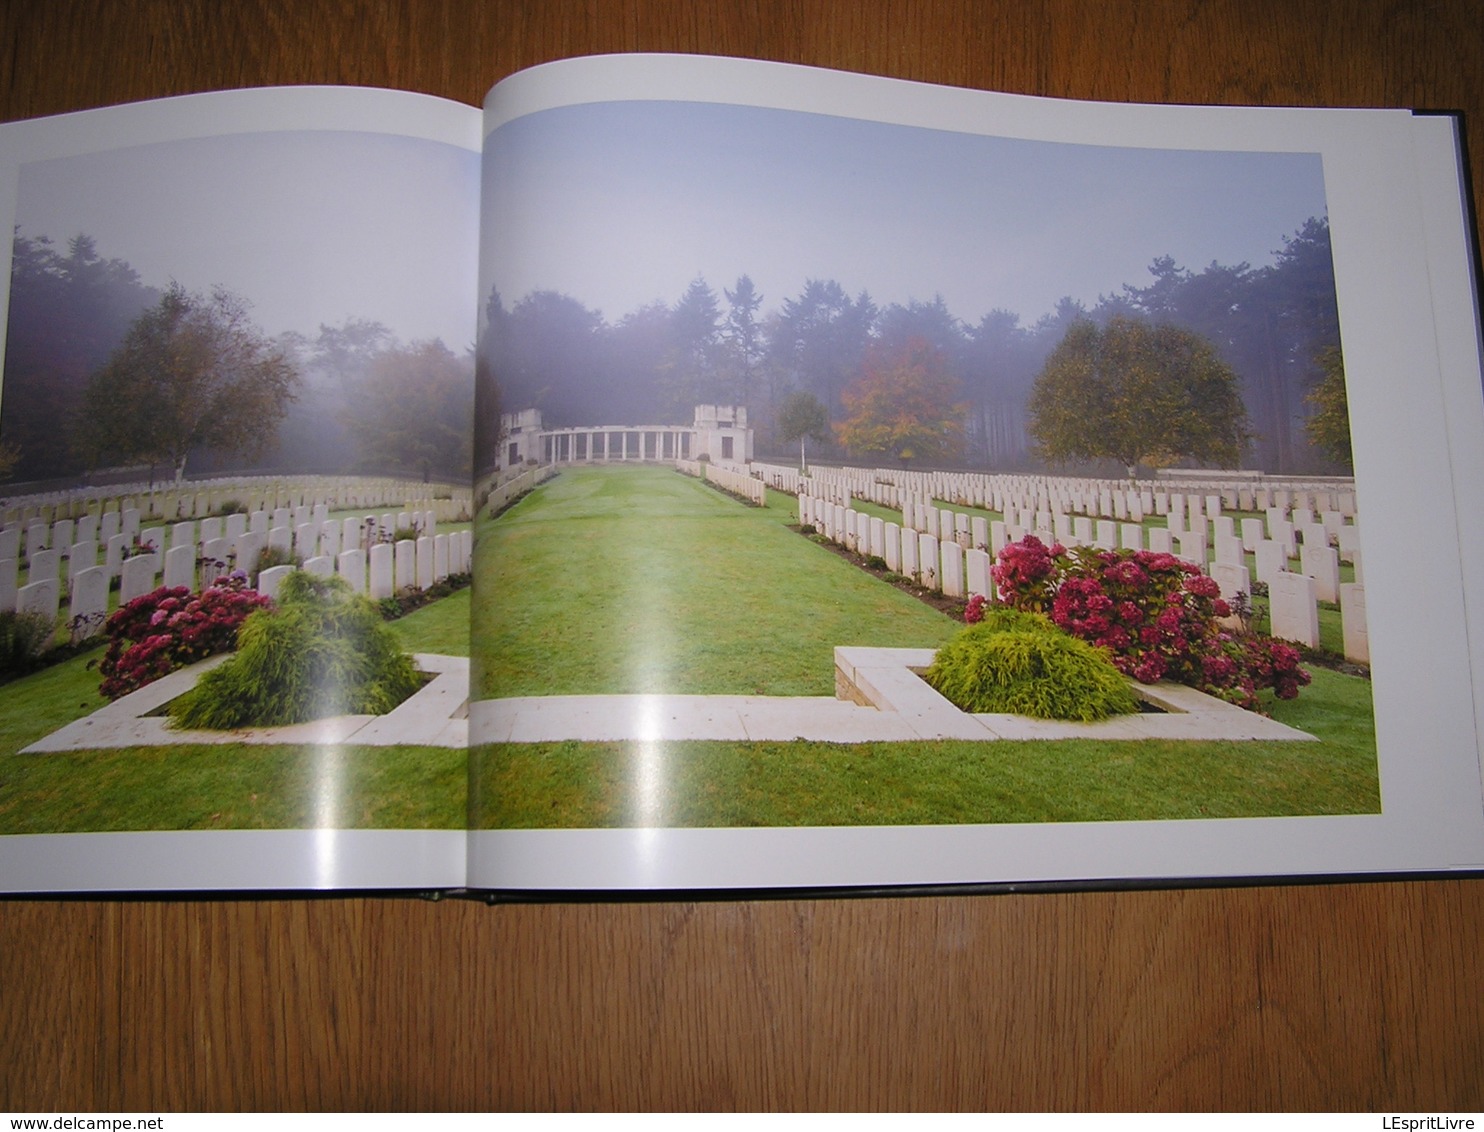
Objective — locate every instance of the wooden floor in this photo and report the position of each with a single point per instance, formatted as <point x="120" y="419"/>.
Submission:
<point x="1352" y="996"/>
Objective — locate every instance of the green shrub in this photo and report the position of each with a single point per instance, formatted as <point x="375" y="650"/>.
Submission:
<point x="324" y="651"/>
<point x="1022" y="664"/>
<point x="23" y="638"/>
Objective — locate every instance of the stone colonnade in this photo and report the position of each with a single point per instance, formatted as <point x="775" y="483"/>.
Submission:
<point x="616" y="444"/>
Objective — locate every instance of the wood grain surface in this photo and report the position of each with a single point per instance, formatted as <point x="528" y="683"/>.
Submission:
<point x="1352" y="996"/>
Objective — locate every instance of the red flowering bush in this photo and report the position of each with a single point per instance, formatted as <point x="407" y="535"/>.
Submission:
<point x="974" y="609"/>
<point x="1157" y="616"/>
<point x="1028" y="568"/>
<point x="166" y="629"/>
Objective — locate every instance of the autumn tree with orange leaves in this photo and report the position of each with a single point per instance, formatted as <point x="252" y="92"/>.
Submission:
<point x="904" y="406"/>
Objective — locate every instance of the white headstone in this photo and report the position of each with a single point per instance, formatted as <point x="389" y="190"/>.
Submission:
<point x="351" y="565"/>
<point x="976" y="567"/>
<point x="425" y="561"/>
<point x="44" y="564"/>
<point x="249" y="546"/>
<point x="89" y="606"/>
<point x="1292" y="611"/>
<point x="180" y="567"/>
<point x="9" y="579"/>
<point x="1353" y="624"/>
<point x="952" y="556"/>
<point x="382" y="577"/>
<point x="1233" y="579"/>
<point x="135" y="577"/>
<point x="1271" y="560"/>
<point x="1322" y="564"/>
<point x="216" y="559"/>
<point x="405" y="553"/>
<point x="909" y="553"/>
<point x="272" y="578"/>
<point x="1252" y="534"/>
<point x="82" y="556"/>
<point x="929" y="569"/>
<point x="40" y="597"/>
<point x="306" y="540"/>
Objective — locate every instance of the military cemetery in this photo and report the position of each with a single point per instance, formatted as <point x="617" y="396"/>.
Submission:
<point x="673" y="621"/>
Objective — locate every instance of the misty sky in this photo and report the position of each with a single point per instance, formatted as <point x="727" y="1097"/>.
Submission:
<point x="311" y="227"/>
<point x="620" y="204"/>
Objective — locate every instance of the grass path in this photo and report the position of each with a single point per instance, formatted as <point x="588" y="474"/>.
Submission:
<point x="612" y="580"/>
<point x="638" y="579"/>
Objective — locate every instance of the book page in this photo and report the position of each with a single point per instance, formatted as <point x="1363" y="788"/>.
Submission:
<point x="797" y="372"/>
<point x="237" y="392"/>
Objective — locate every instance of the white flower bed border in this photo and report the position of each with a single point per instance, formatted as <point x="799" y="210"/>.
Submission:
<point x="431" y="717"/>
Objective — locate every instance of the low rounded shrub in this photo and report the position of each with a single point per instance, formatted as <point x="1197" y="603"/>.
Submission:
<point x="1020" y="663"/>
<point x="324" y="651"/>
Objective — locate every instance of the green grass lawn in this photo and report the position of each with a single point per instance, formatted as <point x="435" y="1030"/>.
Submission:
<point x="594" y="583"/>
<point x="223" y="786"/>
<point x="591" y="785"/>
<point x="638" y="579"/>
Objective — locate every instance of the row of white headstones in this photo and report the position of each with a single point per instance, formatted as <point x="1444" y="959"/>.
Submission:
<point x="62" y="559"/>
<point x="730" y="479"/>
<point x="1107" y="499"/>
<point x="249" y="493"/>
<point x="952" y="552"/>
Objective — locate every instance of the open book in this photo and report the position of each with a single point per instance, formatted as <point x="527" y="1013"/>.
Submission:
<point x="1186" y="395"/>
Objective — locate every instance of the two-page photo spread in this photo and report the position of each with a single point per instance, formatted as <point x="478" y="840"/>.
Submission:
<point x="705" y="474"/>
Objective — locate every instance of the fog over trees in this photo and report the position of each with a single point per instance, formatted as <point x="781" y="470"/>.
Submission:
<point x="367" y="401"/>
<point x="94" y="374"/>
<point x="1272" y="325"/>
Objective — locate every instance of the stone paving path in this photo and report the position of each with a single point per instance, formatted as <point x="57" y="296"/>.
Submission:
<point x="433" y="717"/>
<point x="892" y="702"/>
<point x="881" y="698"/>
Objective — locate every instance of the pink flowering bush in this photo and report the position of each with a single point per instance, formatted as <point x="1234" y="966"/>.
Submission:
<point x="1028" y="569"/>
<point x="166" y="629"/>
<point x="1158" y="616"/>
<point x="974" y="609"/>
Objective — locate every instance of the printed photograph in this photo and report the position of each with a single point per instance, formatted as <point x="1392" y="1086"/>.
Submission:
<point x="831" y="472"/>
<point x="234" y="433"/>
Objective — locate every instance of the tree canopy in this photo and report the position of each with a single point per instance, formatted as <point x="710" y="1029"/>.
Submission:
<point x="1329" y="427"/>
<point x="68" y="312"/>
<point x="1268" y="323"/>
<point x="802" y="416"/>
<point x="1138" y="393"/>
<point x="414" y="408"/>
<point x="192" y="372"/>
<point x="904" y="406"/>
